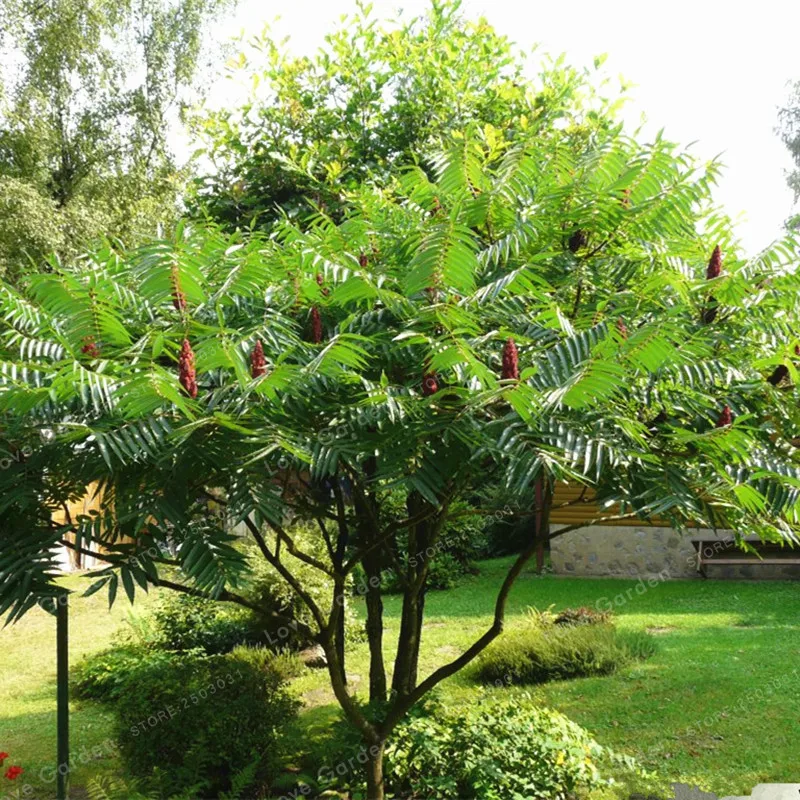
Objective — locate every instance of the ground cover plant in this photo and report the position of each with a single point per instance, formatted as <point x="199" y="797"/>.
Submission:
<point x="572" y="645"/>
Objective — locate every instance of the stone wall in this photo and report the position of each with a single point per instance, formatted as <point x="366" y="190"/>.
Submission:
<point x="645" y="552"/>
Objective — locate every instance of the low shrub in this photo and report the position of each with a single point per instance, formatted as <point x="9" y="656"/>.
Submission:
<point x="544" y="651"/>
<point x="181" y="622"/>
<point x="103" y="676"/>
<point x="507" y="534"/>
<point x="286" y="664"/>
<point x="581" y="616"/>
<point x="493" y="750"/>
<point x="202" y="720"/>
<point x="446" y="571"/>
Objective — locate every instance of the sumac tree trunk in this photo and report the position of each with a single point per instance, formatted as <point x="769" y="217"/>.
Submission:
<point x="375" y="783"/>
<point x="374" y="602"/>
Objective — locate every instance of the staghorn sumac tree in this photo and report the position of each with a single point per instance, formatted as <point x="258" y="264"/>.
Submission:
<point x="461" y="332"/>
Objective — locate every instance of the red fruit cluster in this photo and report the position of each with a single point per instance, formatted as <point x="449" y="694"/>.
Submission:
<point x="510" y="361"/>
<point x="90" y="347"/>
<point x="178" y="297"/>
<point x="709" y="312"/>
<point x="725" y="418"/>
<point x="316" y="326"/>
<point x="429" y="384"/>
<point x="622" y="328"/>
<point x="362" y="260"/>
<point x="186" y="370"/>
<point x="258" y="364"/>
<point x="715" y="264"/>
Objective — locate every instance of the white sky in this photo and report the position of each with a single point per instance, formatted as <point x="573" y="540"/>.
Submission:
<point x="707" y="71"/>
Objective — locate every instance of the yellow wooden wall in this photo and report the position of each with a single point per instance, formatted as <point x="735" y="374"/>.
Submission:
<point x="587" y="509"/>
<point x="90" y="501"/>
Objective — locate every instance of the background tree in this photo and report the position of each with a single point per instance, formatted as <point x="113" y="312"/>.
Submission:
<point x="372" y="100"/>
<point x="789" y="129"/>
<point x="90" y="92"/>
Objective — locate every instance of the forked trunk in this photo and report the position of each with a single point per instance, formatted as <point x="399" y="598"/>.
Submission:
<point x="405" y="666"/>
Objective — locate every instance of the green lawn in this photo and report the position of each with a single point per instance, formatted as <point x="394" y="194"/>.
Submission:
<point x="28" y="692"/>
<point x="719" y="704"/>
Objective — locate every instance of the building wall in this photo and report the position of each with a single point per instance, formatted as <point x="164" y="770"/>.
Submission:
<point x="644" y="551"/>
<point x="69" y="560"/>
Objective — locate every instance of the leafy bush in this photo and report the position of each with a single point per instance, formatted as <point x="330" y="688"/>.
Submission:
<point x="446" y="571"/>
<point x="544" y="651"/>
<point x="464" y="533"/>
<point x="581" y="616"/>
<point x="499" y="747"/>
<point x="494" y="751"/>
<point x="201" y="720"/>
<point x="284" y="663"/>
<point x="506" y="535"/>
<point x="272" y="593"/>
<point x="103" y="676"/>
<point x="182" y="622"/>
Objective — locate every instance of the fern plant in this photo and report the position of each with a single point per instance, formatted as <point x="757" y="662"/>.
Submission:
<point x="211" y="380"/>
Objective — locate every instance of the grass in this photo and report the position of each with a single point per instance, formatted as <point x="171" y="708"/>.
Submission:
<point x="692" y="712"/>
<point x="28" y="692"/>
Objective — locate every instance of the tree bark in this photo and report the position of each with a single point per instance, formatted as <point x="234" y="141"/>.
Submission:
<point x="405" y="668"/>
<point x="539" y="521"/>
<point x="404" y="678"/>
<point x="338" y="559"/>
<point x="372" y="562"/>
<point x="375" y="784"/>
<point x="374" y="602"/>
<point x="339" y="636"/>
<point x="544" y="503"/>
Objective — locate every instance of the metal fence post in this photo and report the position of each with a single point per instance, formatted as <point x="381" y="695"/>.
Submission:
<point x="62" y="678"/>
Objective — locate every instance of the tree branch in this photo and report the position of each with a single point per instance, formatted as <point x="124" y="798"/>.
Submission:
<point x="287" y="576"/>
<point x="296" y="552"/>
<point x="224" y="596"/>
<point x="400" y="709"/>
<point x="327" y="538"/>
